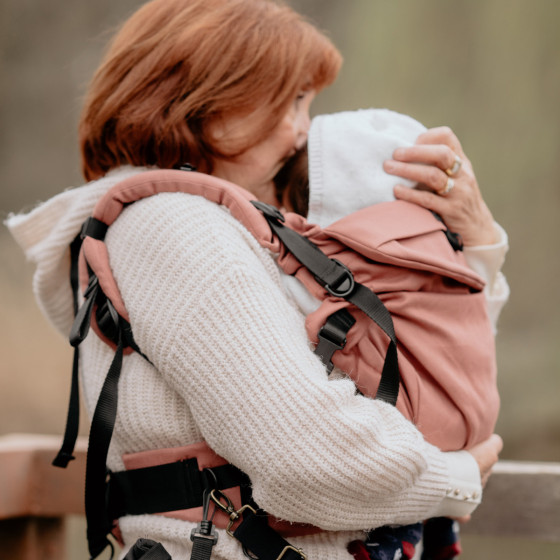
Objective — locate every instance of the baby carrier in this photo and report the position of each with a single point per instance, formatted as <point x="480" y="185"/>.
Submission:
<point x="367" y="325"/>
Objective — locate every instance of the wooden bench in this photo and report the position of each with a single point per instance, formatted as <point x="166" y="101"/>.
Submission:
<point x="522" y="499"/>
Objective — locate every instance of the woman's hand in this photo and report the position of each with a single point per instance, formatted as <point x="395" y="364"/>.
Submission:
<point x="447" y="184"/>
<point x="486" y="455"/>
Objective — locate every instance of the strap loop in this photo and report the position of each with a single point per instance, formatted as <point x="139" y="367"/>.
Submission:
<point x="94" y="228"/>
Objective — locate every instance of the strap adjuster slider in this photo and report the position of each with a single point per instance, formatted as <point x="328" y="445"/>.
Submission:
<point x="296" y="550"/>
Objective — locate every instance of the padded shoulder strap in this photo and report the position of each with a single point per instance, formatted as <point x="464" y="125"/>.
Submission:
<point x="143" y="185"/>
<point x="150" y="183"/>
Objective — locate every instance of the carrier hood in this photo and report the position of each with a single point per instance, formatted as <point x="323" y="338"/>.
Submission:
<point x="346" y="155"/>
<point x="45" y="235"/>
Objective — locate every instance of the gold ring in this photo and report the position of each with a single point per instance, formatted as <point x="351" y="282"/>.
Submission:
<point x="448" y="187"/>
<point x="454" y="169"/>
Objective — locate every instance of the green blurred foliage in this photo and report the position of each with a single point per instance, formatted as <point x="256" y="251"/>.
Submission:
<point x="490" y="69"/>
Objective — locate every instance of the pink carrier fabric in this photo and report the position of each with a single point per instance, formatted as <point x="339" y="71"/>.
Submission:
<point x="446" y="348"/>
<point x="445" y="341"/>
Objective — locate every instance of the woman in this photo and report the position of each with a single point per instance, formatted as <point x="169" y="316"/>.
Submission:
<point x="226" y="85"/>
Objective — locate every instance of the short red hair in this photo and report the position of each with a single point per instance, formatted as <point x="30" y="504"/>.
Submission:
<point x="178" y="65"/>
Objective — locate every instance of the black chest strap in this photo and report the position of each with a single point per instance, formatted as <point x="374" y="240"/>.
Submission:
<point x="338" y="280"/>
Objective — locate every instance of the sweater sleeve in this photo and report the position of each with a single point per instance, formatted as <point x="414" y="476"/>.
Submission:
<point x="207" y="305"/>
<point x="487" y="261"/>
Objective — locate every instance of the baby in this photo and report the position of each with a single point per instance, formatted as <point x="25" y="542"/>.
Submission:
<point x="340" y="173"/>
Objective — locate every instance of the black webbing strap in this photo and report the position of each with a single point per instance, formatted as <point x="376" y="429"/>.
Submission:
<point x="331" y="274"/>
<point x="366" y="300"/>
<point x="260" y="540"/>
<point x="82" y="319"/>
<point x="99" y="524"/>
<point x="332" y="336"/>
<point x="339" y="282"/>
<point x="66" y="452"/>
<point x="146" y="549"/>
<point x="202" y="546"/>
<point x="169" y="487"/>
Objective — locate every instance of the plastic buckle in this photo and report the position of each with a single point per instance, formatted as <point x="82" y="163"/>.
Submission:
<point x="326" y="348"/>
<point x="296" y="550"/>
<point x="344" y="287"/>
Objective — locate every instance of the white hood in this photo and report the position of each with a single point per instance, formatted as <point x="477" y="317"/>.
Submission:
<point x="45" y="234"/>
<point x="346" y="155"/>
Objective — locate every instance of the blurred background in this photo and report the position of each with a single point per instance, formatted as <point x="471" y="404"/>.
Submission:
<point x="490" y="69"/>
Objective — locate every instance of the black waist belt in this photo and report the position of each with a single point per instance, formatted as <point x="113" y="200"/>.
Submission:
<point x="169" y="487"/>
<point x="181" y="485"/>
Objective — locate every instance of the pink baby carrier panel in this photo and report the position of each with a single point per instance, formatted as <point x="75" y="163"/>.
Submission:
<point x="446" y="345"/>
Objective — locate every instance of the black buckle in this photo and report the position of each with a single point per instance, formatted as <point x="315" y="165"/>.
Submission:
<point x="332" y="336"/>
<point x="326" y="348"/>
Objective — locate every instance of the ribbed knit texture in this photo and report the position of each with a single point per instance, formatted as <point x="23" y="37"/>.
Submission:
<point x="346" y="155"/>
<point x="233" y="367"/>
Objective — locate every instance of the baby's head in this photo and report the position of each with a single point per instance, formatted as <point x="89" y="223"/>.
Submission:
<point x="342" y="169"/>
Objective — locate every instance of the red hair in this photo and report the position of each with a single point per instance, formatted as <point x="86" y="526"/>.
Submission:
<point x="177" y="66"/>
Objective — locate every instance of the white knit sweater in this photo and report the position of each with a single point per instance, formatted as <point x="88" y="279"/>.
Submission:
<point x="233" y="367"/>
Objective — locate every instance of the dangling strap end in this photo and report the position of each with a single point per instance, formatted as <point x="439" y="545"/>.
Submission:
<point x="62" y="459"/>
<point x="97" y="544"/>
<point x="80" y="327"/>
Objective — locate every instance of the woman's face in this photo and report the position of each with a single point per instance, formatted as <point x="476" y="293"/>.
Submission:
<point x="255" y="168"/>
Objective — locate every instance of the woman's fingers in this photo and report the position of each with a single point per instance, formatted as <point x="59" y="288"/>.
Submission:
<point x="446" y="184"/>
<point x="486" y="455"/>
<point x="428" y="175"/>
<point x="462" y="212"/>
<point x="424" y="198"/>
<point x="439" y="155"/>
<point x="441" y="135"/>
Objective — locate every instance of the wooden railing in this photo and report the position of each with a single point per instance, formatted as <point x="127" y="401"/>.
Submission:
<point x="35" y="497"/>
<point x="521" y="499"/>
